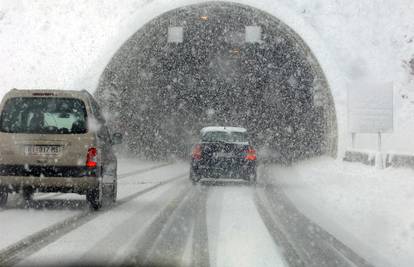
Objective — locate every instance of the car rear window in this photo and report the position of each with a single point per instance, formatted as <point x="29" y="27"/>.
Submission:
<point x="239" y="137"/>
<point x="44" y="115"/>
<point x="221" y="136"/>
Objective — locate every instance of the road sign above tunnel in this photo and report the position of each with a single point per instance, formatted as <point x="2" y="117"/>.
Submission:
<point x="175" y="34"/>
<point x="371" y="107"/>
<point x="253" y="34"/>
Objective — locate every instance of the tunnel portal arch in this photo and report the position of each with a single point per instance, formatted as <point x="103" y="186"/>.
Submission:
<point x="160" y="94"/>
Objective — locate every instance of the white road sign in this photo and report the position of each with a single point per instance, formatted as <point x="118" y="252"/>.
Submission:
<point x="371" y="108"/>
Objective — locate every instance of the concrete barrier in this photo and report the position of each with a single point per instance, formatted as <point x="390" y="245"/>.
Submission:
<point x="400" y="160"/>
<point x="365" y="157"/>
<point x="391" y="159"/>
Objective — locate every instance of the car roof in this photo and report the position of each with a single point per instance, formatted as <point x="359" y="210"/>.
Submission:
<point x="47" y="92"/>
<point x="222" y="129"/>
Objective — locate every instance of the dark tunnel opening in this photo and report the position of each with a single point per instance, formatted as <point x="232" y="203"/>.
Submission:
<point x="161" y="93"/>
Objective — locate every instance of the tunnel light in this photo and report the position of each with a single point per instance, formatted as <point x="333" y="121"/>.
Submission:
<point x="253" y="34"/>
<point x="235" y="51"/>
<point x="175" y="34"/>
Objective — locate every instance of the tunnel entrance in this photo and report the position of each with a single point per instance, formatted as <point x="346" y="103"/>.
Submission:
<point x="218" y="63"/>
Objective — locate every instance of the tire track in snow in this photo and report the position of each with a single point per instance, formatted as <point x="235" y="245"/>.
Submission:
<point x="33" y="243"/>
<point x="36" y="202"/>
<point x="200" y="248"/>
<point x="305" y="243"/>
<point x="128" y="174"/>
<point x="289" y="252"/>
<point x="181" y="223"/>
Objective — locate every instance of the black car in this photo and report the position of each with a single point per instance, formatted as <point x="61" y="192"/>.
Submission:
<point x="223" y="152"/>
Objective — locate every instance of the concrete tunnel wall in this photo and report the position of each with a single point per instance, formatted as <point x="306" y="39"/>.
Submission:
<point x="116" y="79"/>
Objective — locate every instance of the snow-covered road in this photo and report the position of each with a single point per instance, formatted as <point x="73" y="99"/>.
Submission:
<point x="161" y="218"/>
<point x="370" y="210"/>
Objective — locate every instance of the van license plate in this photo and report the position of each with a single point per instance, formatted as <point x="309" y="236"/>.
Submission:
<point x="43" y="150"/>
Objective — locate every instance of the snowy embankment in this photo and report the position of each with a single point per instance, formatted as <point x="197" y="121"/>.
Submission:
<point x="370" y="210"/>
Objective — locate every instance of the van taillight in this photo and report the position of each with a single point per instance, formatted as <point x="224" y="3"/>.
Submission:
<point x="251" y="154"/>
<point x="91" y="158"/>
<point x="196" y="152"/>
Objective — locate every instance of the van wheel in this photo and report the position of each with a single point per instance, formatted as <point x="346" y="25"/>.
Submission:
<point x="3" y="196"/>
<point x="114" y="191"/>
<point x="95" y="197"/>
<point x="110" y="190"/>
<point x="102" y="196"/>
<point x="27" y="194"/>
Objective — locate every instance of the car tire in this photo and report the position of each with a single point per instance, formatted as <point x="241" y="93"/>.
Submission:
<point x="95" y="197"/>
<point x="3" y="196"/>
<point x="253" y="178"/>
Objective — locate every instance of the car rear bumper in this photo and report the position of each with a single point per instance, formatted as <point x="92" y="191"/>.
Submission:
<point x="241" y="170"/>
<point x="50" y="184"/>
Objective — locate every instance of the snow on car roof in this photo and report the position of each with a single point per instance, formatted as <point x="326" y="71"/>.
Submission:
<point x="222" y="129"/>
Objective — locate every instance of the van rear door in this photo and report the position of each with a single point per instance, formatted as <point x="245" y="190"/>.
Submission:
<point x="44" y="131"/>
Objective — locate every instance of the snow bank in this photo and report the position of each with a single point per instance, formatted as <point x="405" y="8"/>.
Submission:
<point x="369" y="210"/>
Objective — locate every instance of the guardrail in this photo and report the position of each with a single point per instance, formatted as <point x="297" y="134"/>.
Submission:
<point x="390" y="159"/>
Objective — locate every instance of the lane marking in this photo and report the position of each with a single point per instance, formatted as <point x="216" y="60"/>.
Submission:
<point x="45" y="196"/>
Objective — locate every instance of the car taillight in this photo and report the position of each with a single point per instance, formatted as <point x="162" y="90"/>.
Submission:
<point x="91" y="158"/>
<point x="251" y="154"/>
<point x="196" y="152"/>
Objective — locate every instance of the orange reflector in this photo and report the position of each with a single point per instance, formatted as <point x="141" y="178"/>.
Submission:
<point x="251" y="154"/>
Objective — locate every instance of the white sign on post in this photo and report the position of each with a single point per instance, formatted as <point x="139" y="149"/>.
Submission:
<point x="371" y="108"/>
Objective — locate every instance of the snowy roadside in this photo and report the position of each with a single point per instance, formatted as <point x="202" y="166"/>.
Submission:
<point x="370" y="210"/>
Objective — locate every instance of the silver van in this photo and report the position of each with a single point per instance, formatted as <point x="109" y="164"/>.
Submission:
<point x="56" y="141"/>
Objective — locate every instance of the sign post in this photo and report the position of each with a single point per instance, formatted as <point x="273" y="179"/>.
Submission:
<point x="379" y="142"/>
<point x="371" y="111"/>
<point x="353" y="140"/>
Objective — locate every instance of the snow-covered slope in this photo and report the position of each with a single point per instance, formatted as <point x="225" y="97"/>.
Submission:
<point x="66" y="44"/>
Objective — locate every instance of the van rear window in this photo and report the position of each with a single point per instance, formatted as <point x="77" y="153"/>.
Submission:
<point x="43" y="115"/>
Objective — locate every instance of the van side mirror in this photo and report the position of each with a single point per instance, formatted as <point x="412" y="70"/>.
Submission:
<point x="117" y="138"/>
